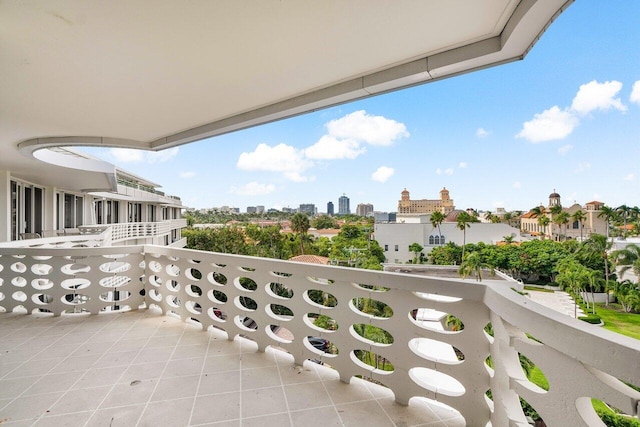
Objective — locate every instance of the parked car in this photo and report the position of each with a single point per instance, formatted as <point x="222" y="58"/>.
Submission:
<point x="319" y="343"/>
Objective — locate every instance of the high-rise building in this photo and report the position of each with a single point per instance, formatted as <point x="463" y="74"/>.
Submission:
<point x="251" y="209"/>
<point x="343" y="205"/>
<point x="364" y="209"/>
<point x="307" y="208"/>
<point x="330" y="208"/>
<point x="260" y="209"/>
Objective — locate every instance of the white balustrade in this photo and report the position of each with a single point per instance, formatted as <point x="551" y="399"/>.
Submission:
<point x="240" y="295"/>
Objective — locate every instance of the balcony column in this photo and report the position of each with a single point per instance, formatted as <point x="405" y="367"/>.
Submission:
<point x="506" y="402"/>
<point x="5" y="206"/>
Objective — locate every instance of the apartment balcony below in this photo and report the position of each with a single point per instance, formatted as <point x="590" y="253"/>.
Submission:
<point x="82" y="338"/>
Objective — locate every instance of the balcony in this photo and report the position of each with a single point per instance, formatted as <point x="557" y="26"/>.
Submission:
<point x="141" y="335"/>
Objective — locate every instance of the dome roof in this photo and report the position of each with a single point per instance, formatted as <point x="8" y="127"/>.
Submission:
<point x="554" y="195"/>
<point x="453" y="216"/>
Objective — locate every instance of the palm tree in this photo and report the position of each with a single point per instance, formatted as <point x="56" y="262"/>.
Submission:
<point x="462" y="222"/>
<point x="437" y="218"/>
<point x="623" y="212"/>
<point x="598" y="245"/>
<point x="562" y="219"/>
<point x="625" y="258"/>
<point x="580" y="217"/>
<point x="608" y="214"/>
<point x="472" y="264"/>
<point x="300" y="225"/>
<point x="543" y="221"/>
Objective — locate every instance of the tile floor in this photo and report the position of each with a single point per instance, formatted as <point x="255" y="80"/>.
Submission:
<point x="144" y="369"/>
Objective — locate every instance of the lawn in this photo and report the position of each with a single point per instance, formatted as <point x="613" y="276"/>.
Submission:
<point x="618" y="321"/>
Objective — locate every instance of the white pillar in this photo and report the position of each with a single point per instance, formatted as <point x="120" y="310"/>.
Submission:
<point x="5" y="205"/>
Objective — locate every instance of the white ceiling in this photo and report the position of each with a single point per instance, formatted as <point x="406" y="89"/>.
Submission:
<point x="154" y="74"/>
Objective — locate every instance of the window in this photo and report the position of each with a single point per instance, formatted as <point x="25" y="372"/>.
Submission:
<point x="437" y="240"/>
<point x="396" y="248"/>
<point x="386" y="248"/>
<point x="431" y="240"/>
<point x="576" y="225"/>
<point x="442" y="240"/>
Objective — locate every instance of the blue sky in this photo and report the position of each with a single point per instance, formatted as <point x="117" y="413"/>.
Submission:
<point x="567" y="118"/>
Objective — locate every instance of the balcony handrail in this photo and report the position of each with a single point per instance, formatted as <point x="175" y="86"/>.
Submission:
<point x="576" y="357"/>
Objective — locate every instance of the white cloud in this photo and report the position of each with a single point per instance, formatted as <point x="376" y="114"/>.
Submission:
<point x="280" y="158"/>
<point x="448" y="171"/>
<point x="565" y="149"/>
<point x="438" y="171"/>
<point x="330" y="148"/>
<point x="582" y="167"/>
<point x="517" y="184"/>
<point x="127" y="155"/>
<point x="482" y="133"/>
<point x="597" y="96"/>
<point x="549" y="125"/>
<point x="360" y="126"/>
<point x="382" y="174"/>
<point x="635" y="93"/>
<point x="630" y="177"/>
<point x="187" y="175"/>
<point x="463" y="165"/>
<point x="254" y="189"/>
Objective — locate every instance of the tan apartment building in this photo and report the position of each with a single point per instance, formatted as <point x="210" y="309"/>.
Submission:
<point x="407" y="206"/>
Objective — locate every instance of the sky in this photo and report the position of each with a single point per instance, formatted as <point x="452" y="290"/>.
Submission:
<point x="565" y="119"/>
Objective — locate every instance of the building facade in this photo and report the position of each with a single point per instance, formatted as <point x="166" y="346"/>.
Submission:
<point x="307" y="208"/>
<point x="364" y="209"/>
<point x="343" y="205"/>
<point x="423" y="206"/>
<point x="330" y="208"/>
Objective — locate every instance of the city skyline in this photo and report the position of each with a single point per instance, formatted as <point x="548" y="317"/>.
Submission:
<point x="567" y="118"/>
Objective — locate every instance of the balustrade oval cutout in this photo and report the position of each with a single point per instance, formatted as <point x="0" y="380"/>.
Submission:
<point x="436" y="382"/>
<point x="216" y="278"/>
<point x="173" y="285"/>
<point x="321" y="346"/>
<point x="193" y="307"/>
<point x="193" y="274"/>
<point x="436" y="297"/>
<point x="280" y="312"/>
<point x="74" y="299"/>
<point x="320" y="322"/>
<point x="75" y="284"/>
<point x="173" y="301"/>
<point x="246" y="323"/>
<point x="75" y="268"/>
<point x="155" y="295"/>
<point x="41" y="269"/>
<point x="320" y="280"/>
<point x="217" y="314"/>
<point x="41" y="284"/>
<point x="246" y="284"/>
<point x="372" y="362"/>
<point x="371" y="288"/>
<point x="19" y="282"/>
<point x="280" y="274"/>
<point x="155" y="281"/>
<point x="278" y="290"/>
<point x="120" y="267"/>
<point x="173" y="270"/>
<point x="436" y="351"/>
<point x="372" y="335"/>
<point x="116" y="296"/>
<point x="245" y="303"/>
<point x="114" y="281"/>
<point x="217" y="296"/>
<point x="42" y="299"/>
<point x="154" y="266"/>
<point x="193" y="291"/>
<point x="371" y="308"/>
<point x="18" y="267"/>
<point x="320" y="298"/>
<point x="279" y="334"/>
<point x="435" y="320"/>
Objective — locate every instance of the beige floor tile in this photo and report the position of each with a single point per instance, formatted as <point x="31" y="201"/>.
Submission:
<point x="78" y="363"/>
<point x="66" y="420"/>
<point x="316" y="417"/>
<point x="29" y="408"/>
<point x="123" y="416"/>
<point x="162" y="341"/>
<point x="295" y="374"/>
<point x="264" y="401"/>
<point x="259" y="378"/>
<point x="216" y="408"/>
<point x="96" y="377"/>
<point x="417" y="413"/>
<point x="149" y="355"/>
<point x="188" y="351"/>
<point x="80" y="400"/>
<point x="367" y="413"/>
<point x="258" y="360"/>
<point x="33" y="368"/>
<point x="345" y="393"/>
<point x="219" y="382"/>
<point x="167" y="413"/>
<point x="15" y="386"/>
<point x="145" y="371"/>
<point x="52" y="382"/>
<point x="230" y="362"/>
<point x="125" y="394"/>
<point x="182" y="367"/>
<point x="279" y="420"/>
<point x="306" y="396"/>
<point x="176" y="388"/>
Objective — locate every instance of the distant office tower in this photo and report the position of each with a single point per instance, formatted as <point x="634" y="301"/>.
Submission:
<point x="260" y="209"/>
<point x="307" y="208"/>
<point x="330" y="208"/>
<point x="364" y="209"/>
<point x="251" y="209"/>
<point x="343" y="205"/>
